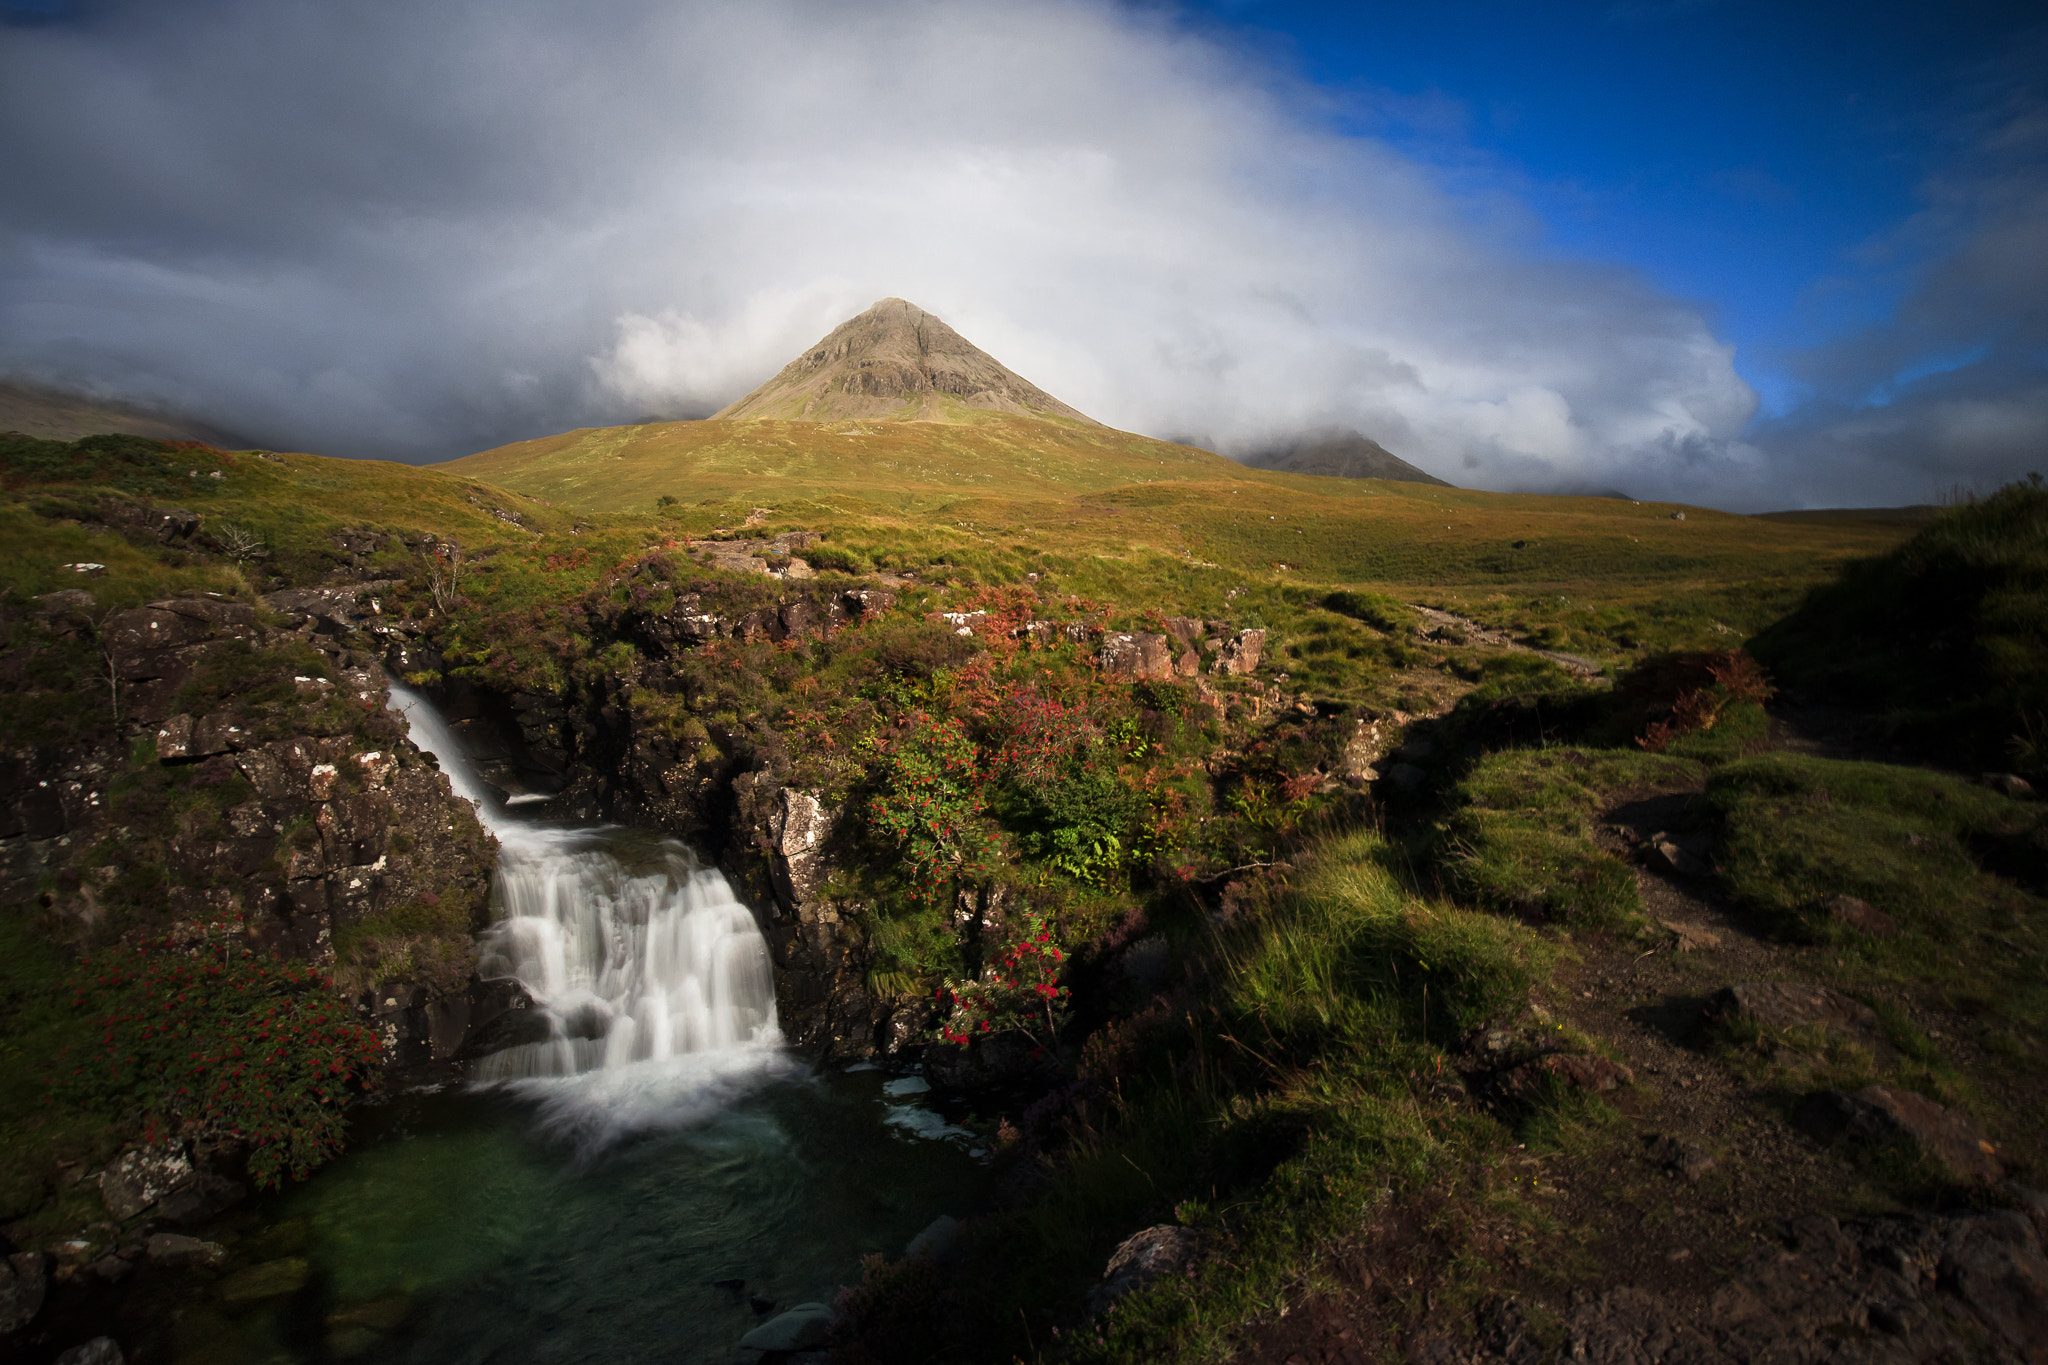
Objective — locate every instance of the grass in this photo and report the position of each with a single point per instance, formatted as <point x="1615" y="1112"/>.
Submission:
<point x="1276" y="1110"/>
<point x="1961" y="870"/>
<point x="1947" y="634"/>
<point x="1519" y="838"/>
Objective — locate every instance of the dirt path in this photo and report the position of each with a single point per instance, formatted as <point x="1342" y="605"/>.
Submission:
<point x="1691" y="1222"/>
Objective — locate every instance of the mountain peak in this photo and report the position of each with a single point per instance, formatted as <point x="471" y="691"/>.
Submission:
<point x="895" y="362"/>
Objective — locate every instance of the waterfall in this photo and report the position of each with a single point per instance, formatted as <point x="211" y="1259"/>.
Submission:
<point x="653" y="978"/>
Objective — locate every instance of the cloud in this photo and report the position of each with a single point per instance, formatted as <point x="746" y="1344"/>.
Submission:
<point x="1951" y="387"/>
<point x="416" y="231"/>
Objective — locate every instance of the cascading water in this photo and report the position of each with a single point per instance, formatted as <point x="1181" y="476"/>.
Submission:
<point x="653" y="977"/>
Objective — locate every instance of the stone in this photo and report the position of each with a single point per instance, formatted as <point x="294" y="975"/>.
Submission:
<point x="1687" y="1159"/>
<point x="1784" y="1005"/>
<point x="1135" y="655"/>
<point x="1861" y="916"/>
<point x="138" y="1178"/>
<point x="801" y="1328"/>
<point x="1878" y="1113"/>
<point x="270" y="1280"/>
<point x="1579" y="1071"/>
<point x="936" y="1240"/>
<point x="1691" y="937"/>
<point x="1683" y="856"/>
<point x="176" y="1251"/>
<point x="1142" y="1258"/>
<point x="206" y="1197"/>
<point x="112" y="1269"/>
<point x="23" y="1284"/>
<point x="1678" y="516"/>
<point x="174" y="739"/>
<point x="2011" y="784"/>
<point x="1240" y="654"/>
<point x="98" y="1351"/>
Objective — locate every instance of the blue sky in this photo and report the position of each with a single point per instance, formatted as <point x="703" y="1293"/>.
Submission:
<point x="1751" y="156"/>
<point x="1731" y="253"/>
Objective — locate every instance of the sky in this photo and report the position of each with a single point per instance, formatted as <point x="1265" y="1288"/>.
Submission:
<point x="1743" y="255"/>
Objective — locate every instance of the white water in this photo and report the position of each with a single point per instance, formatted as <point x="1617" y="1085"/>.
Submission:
<point x="654" y="978"/>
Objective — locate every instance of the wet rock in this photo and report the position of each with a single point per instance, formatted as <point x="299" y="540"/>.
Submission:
<point x="1135" y="655"/>
<point x="1878" y="1113"/>
<point x="176" y="1251"/>
<point x="136" y="1179"/>
<point x="1240" y="654"/>
<point x="208" y="1196"/>
<point x="98" y="1351"/>
<point x="270" y="1280"/>
<point x="800" y="1329"/>
<point x="1142" y="1258"/>
<point x="1785" y="1005"/>
<point x="23" y="1284"/>
<point x="1861" y="916"/>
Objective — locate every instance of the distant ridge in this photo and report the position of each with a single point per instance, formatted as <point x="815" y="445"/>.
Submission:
<point x="54" y="415"/>
<point x="895" y="362"/>
<point x="1341" y="455"/>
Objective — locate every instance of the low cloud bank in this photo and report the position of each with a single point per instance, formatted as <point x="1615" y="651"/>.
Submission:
<point x="412" y="232"/>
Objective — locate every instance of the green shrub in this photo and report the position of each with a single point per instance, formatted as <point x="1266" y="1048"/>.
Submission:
<point x="209" y="1037"/>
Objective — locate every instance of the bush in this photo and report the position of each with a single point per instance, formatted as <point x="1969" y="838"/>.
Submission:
<point x="209" y="1038"/>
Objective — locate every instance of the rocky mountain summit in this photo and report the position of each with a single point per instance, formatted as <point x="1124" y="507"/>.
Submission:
<point x="899" y="363"/>
<point x="1339" y="455"/>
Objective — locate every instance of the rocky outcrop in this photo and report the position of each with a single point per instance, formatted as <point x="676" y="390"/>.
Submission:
<point x="1879" y="1114"/>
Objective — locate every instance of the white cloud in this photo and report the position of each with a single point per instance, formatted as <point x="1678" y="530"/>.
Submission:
<point x="418" y="230"/>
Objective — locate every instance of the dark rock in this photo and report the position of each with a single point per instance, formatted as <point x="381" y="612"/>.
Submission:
<point x="1688" y="1159"/>
<point x="112" y="1269"/>
<point x="1580" y="1071"/>
<point x="2012" y="784"/>
<point x="1784" y="1005"/>
<point x="98" y="1351"/>
<point x="207" y="1196"/>
<point x="1143" y="1257"/>
<point x="801" y="1328"/>
<point x="270" y="1280"/>
<point x="1879" y="1113"/>
<point x="936" y="1240"/>
<point x="1861" y="916"/>
<point x="138" y="1178"/>
<point x="1405" y="776"/>
<point x="1685" y="856"/>
<point x="23" y="1284"/>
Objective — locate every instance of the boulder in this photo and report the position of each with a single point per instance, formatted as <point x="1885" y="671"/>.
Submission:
<point x="800" y="1329"/>
<point x="1785" y="1005"/>
<point x="22" y="1287"/>
<point x="1142" y="1258"/>
<point x="1135" y="655"/>
<point x="98" y="1351"/>
<point x="138" y="1178"/>
<point x="1878" y="1113"/>
<point x="2012" y="784"/>
<point x="1241" y="653"/>
<point x="798" y="827"/>
<point x="1861" y="916"/>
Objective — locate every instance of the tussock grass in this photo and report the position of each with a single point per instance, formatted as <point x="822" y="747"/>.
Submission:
<point x="1519" y="838"/>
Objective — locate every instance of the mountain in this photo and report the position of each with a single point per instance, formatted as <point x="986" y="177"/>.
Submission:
<point x="54" y="415"/>
<point x="1342" y="455"/>
<point x="898" y="363"/>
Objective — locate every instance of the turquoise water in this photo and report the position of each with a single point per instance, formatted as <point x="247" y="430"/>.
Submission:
<point x="456" y="1230"/>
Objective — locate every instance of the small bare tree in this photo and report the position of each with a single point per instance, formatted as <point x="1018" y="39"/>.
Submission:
<point x="238" y="543"/>
<point x="444" y="571"/>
